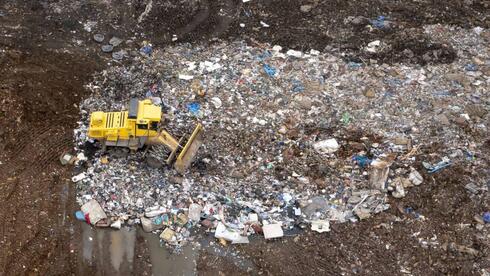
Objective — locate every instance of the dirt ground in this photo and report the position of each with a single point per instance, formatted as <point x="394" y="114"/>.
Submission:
<point x="46" y="58"/>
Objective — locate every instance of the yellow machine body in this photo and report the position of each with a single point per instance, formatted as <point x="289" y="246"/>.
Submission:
<point x="139" y="126"/>
<point x="117" y="126"/>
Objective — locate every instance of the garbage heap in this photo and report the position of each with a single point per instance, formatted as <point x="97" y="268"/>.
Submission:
<point x="292" y="139"/>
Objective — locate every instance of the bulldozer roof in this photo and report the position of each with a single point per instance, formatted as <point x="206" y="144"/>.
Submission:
<point x="144" y="110"/>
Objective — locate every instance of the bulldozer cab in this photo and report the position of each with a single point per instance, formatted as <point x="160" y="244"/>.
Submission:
<point x="146" y="117"/>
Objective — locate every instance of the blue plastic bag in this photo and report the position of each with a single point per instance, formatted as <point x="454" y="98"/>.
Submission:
<point x="271" y="71"/>
<point x="194" y="108"/>
<point x="80" y="216"/>
<point x="362" y="161"/>
<point x="471" y="67"/>
<point x="298" y="86"/>
<point x="486" y="217"/>
<point x="147" y="49"/>
<point x="379" y="22"/>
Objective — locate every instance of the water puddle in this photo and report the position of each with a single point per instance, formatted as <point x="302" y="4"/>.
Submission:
<point x="109" y="251"/>
<point x="165" y="263"/>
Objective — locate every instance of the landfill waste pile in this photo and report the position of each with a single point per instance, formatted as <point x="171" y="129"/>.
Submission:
<point x="291" y="139"/>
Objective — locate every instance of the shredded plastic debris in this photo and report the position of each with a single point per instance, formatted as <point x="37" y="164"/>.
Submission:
<point x="278" y="149"/>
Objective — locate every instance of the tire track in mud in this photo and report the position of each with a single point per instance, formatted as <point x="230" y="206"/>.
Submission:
<point x="34" y="233"/>
<point x="210" y="20"/>
<point x="330" y="25"/>
<point x="34" y="168"/>
<point x="33" y="156"/>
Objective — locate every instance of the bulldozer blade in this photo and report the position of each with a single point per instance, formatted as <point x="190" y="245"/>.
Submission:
<point x="189" y="151"/>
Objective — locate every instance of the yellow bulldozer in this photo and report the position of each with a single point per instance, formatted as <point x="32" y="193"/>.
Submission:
<point x="139" y="126"/>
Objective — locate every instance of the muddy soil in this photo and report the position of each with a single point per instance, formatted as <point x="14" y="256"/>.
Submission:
<point x="46" y="57"/>
<point x="39" y="92"/>
<point x="332" y="25"/>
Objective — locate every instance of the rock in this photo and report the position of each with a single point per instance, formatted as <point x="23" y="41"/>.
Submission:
<point x="326" y="146"/>
<point x="408" y="53"/>
<point x="306" y="8"/>
<point x="115" y="41"/>
<point x="303" y="101"/>
<point x="369" y="93"/>
<point x="415" y="177"/>
<point x="362" y="213"/>
<point x="99" y="38"/>
<point x="442" y="119"/>
<point x="461" y="121"/>
<point x="283" y="130"/>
